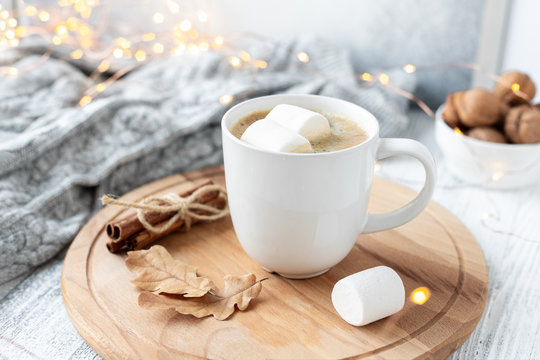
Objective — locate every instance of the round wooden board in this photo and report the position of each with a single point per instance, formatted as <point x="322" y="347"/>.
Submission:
<point x="290" y="318"/>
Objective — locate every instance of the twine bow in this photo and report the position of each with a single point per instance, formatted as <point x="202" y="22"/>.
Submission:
<point x="185" y="208"/>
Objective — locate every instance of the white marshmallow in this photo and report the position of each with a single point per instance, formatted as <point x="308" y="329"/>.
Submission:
<point x="269" y="135"/>
<point x="368" y="295"/>
<point x="309" y="124"/>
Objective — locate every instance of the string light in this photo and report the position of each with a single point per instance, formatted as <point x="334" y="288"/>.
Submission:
<point x="174" y="8"/>
<point x="103" y="66"/>
<point x="203" y="46"/>
<point x="234" y="61"/>
<point x="76" y="54"/>
<point x="20" y="31"/>
<point x="118" y="53"/>
<point x="85" y="100"/>
<point x="123" y="43"/>
<point x="158" y="18"/>
<point x="4" y="14"/>
<point x="30" y="10"/>
<point x="384" y="79"/>
<point x="245" y="56"/>
<point x="409" y="68"/>
<point x="420" y="295"/>
<point x="61" y="30"/>
<point x="185" y="25"/>
<point x="148" y="37"/>
<point x="100" y="87"/>
<point x="496" y="176"/>
<point x="56" y="40"/>
<point x="226" y="99"/>
<point x="193" y="33"/>
<point x="84" y="30"/>
<point x="140" y="55"/>
<point x="11" y="22"/>
<point x="9" y="34"/>
<point x="202" y="16"/>
<point x="193" y="49"/>
<point x="261" y="64"/>
<point x="377" y="167"/>
<point x="158" y="48"/>
<point x="515" y="87"/>
<point x="13" y="71"/>
<point x="44" y="16"/>
<point x="219" y="40"/>
<point x="302" y="57"/>
<point x="366" y="76"/>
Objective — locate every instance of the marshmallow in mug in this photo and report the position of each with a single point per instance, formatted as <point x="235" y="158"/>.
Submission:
<point x="368" y="295"/>
<point x="287" y="128"/>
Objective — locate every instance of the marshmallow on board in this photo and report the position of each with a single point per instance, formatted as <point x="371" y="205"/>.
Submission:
<point x="307" y="123"/>
<point x="368" y="295"/>
<point x="269" y="135"/>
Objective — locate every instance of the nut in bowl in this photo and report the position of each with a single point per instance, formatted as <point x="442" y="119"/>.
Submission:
<point x="487" y="162"/>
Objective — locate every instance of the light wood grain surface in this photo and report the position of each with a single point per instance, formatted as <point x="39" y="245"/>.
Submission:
<point x="34" y="323"/>
<point x="291" y="318"/>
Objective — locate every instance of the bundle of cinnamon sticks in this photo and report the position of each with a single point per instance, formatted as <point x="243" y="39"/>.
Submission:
<point x="128" y="233"/>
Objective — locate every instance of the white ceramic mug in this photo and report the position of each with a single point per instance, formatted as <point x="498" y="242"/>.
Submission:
<point x="300" y="214"/>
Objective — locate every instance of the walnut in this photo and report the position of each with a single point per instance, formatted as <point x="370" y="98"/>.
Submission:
<point x="478" y="107"/>
<point x="450" y="115"/>
<point x="522" y="125"/>
<point x="487" y="133"/>
<point x="506" y="93"/>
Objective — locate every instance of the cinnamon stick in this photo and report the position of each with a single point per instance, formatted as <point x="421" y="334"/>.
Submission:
<point x="144" y="237"/>
<point x="127" y="226"/>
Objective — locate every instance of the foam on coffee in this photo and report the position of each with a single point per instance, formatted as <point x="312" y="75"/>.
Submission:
<point x="344" y="133"/>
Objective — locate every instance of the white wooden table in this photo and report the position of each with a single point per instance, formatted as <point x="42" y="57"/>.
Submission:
<point x="35" y="325"/>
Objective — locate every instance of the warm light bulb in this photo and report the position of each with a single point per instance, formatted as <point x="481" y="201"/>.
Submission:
<point x="420" y="295"/>
<point x="366" y="76"/>
<point x="245" y="56"/>
<point x="118" y="53"/>
<point x="202" y="16"/>
<point x="85" y="100"/>
<point x="103" y="66"/>
<point x="226" y="99"/>
<point x="261" y="64"/>
<point x="123" y="42"/>
<point x="377" y="167"/>
<point x="20" y="31"/>
<point x="179" y="49"/>
<point x="458" y="131"/>
<point x="11" y="22"/>
<point x="140" y="55"/>
<point x="174" y="8"/>
<point x="61" y="30"/>
<point x="84" y="30"/>
<point x="30" y="10"/>
<point x="3" y="25"/>
<point x="203" y="46"/>
<point x="4" y="14"/>
<point x="515" y="87"/>
<point x="148" y="37"/>
<point x="76" y="54"/>
<point x="10" y="34"/>
<point x="44" y="16"/>
<point x="384" y="79"/>
<point x="101" y="87"/>
<point x="234" y="61"/>
<point x="158" y="48"/>
<point x="185" y="25"/>
<point x="496" y="176"/>
<point x="409" y="68"/>
<point x="193" y="49"/>
<point x="193" y="33"/>
<point x="56" y="40"/>
<point x="302" y="57"/>
<point x="158" y="18"/>
<point x="484" y="216"/>
<point x="219" y="40"/>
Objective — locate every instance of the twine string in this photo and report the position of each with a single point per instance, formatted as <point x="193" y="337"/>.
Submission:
<point x="185" y="208"/>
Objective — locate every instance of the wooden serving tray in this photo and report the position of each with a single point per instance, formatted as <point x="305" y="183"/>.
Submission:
<point x="290" y="318"/>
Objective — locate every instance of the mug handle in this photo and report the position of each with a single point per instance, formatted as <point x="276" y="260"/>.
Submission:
<point x="392" y="219"/>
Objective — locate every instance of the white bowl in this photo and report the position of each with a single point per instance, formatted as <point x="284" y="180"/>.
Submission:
<point x="497" y="166"/>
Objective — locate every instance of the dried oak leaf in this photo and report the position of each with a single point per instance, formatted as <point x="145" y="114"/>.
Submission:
<point x="239" y="290"/>
<point x="158" y="272"/>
